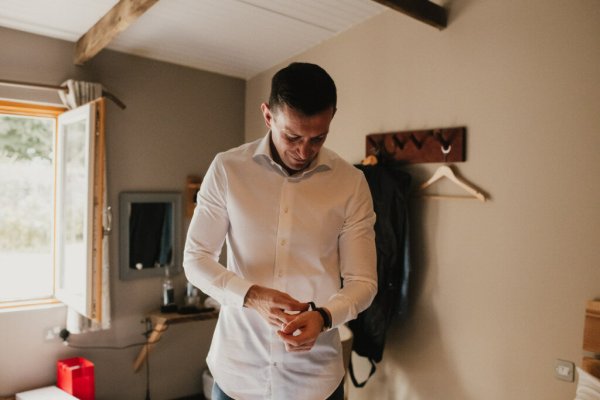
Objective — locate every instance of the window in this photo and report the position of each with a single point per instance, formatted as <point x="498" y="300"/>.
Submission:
<point x="51" y="203"/>
<point x="26" y="204"/>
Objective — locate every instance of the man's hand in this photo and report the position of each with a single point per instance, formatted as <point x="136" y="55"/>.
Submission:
<point x="274" y="306"/>
<point x="307" y="326"/>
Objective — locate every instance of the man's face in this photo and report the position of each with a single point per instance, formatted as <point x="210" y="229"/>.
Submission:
<point x="297" y="137"/>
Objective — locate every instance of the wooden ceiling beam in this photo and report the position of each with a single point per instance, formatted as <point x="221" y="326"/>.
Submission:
<point x="423" y="10"/>
<point x="123" y="14"/>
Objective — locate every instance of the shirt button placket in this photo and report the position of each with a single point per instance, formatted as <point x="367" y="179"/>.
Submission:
<point x="283" y="232"/>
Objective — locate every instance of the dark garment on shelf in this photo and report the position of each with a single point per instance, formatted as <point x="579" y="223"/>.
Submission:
<point x="390" y="190"/>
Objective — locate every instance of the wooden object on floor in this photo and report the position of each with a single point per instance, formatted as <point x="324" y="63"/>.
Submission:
<point x="161" y="322"/>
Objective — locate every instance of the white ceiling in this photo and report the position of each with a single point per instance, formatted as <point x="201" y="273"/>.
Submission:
<point x="239" y="38"/>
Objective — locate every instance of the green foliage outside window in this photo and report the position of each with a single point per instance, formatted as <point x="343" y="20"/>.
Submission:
<point x="26" y="138"/>
<point x="26" y="182"/>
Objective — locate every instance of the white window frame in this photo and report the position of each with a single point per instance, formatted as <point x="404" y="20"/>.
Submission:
<point x="85" y="299"/>
<point x="80" y="297"/>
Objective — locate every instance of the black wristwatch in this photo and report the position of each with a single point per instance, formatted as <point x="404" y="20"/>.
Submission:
<point x="324" y="315"/>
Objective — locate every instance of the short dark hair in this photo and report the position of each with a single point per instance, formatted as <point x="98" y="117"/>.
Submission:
<point x="305" y="87"/>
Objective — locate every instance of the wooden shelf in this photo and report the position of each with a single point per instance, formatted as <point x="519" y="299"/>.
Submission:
<point x="192" y="186"/>
<point x="160" y="322"/>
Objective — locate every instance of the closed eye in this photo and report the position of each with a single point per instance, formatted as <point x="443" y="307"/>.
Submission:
<point x="292" y="139"/>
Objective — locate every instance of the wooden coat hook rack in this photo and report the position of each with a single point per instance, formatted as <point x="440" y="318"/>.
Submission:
<point x="423" y="146"/>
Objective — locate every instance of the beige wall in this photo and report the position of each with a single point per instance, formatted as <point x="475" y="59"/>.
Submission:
<point x="176" y="120"/>
<point x="500" y="287"/>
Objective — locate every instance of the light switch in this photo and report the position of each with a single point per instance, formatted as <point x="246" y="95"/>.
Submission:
<point x="564" y="370"/>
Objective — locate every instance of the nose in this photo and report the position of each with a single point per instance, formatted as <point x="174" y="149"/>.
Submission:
<point x="304" y="150"/>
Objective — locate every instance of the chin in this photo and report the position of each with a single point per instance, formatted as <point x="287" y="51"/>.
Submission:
<point x="298" y="167"/>
<point x="295" y="165"/>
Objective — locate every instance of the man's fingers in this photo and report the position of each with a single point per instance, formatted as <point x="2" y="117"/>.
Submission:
<point x="274" y="322"/>
<point x="298" y="321"/>
<point x="299" y="348"/>
<point x="298" y="340"/>
<point x="297" y="306"/>
<point x="276" y="307"/>
<point x="283" y="317"/>
<point x="288" y="303"/>
<point x="290" y="327"/>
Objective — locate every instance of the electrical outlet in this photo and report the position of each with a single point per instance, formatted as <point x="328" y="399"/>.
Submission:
<point x="564" y="370"/>
<point x="52" y="333"/>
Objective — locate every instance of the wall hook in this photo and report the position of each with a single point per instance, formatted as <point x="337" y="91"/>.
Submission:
<point x="425" y="148"/>
<point x="418" y="143"/>
<point x="440" y="138"/>
<point x="446" y="151"/>
<point x="398" y="142"/>
<point x="373" y="147"/>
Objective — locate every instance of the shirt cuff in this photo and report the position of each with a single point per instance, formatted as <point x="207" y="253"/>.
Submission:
<point x="235" y="291"/>
<point x="339" y="312"/>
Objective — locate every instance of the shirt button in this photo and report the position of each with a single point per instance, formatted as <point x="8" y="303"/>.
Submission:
<point x="285" y="210"/>
<point x="283" y="242"/>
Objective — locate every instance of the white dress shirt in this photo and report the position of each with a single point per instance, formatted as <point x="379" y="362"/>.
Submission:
<point x="302" y="234"/>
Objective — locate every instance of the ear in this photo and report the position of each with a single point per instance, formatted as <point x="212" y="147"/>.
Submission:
<point x="266" y="112"/>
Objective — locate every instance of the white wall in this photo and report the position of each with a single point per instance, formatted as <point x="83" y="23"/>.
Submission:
<point x="500" y="288"/>
<point x="176" y="120"/>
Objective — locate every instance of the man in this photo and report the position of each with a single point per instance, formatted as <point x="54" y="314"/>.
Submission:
<point x="299" y="226"/>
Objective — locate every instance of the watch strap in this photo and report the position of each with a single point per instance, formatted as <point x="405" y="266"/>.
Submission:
<point x="324" y="315"/>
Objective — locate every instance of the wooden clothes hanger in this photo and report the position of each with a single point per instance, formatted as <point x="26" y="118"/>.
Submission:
<point x="446" y="172"/>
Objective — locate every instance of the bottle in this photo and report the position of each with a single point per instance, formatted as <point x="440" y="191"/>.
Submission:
<point x="192" y="295"/>
<point x="168" y="291"/>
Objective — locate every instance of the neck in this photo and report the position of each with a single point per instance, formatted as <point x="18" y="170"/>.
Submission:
<point x="277" y="158"/>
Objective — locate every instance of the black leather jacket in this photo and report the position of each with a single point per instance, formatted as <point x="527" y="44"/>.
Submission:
<point x="390" y="189"/>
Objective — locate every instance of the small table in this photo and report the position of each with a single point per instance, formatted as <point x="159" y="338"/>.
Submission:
<point x="160" y="322"/>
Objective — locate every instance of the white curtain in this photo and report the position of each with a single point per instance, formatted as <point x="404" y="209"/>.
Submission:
<point x="80" y="93"/>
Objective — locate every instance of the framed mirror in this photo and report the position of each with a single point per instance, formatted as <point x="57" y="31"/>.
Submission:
<point x="149" y="234"/>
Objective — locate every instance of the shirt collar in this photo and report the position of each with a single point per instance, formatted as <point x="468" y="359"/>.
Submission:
<point x="322" y="162"/>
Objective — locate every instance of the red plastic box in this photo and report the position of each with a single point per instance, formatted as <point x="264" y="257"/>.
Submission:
<point x="76" y="376"/>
